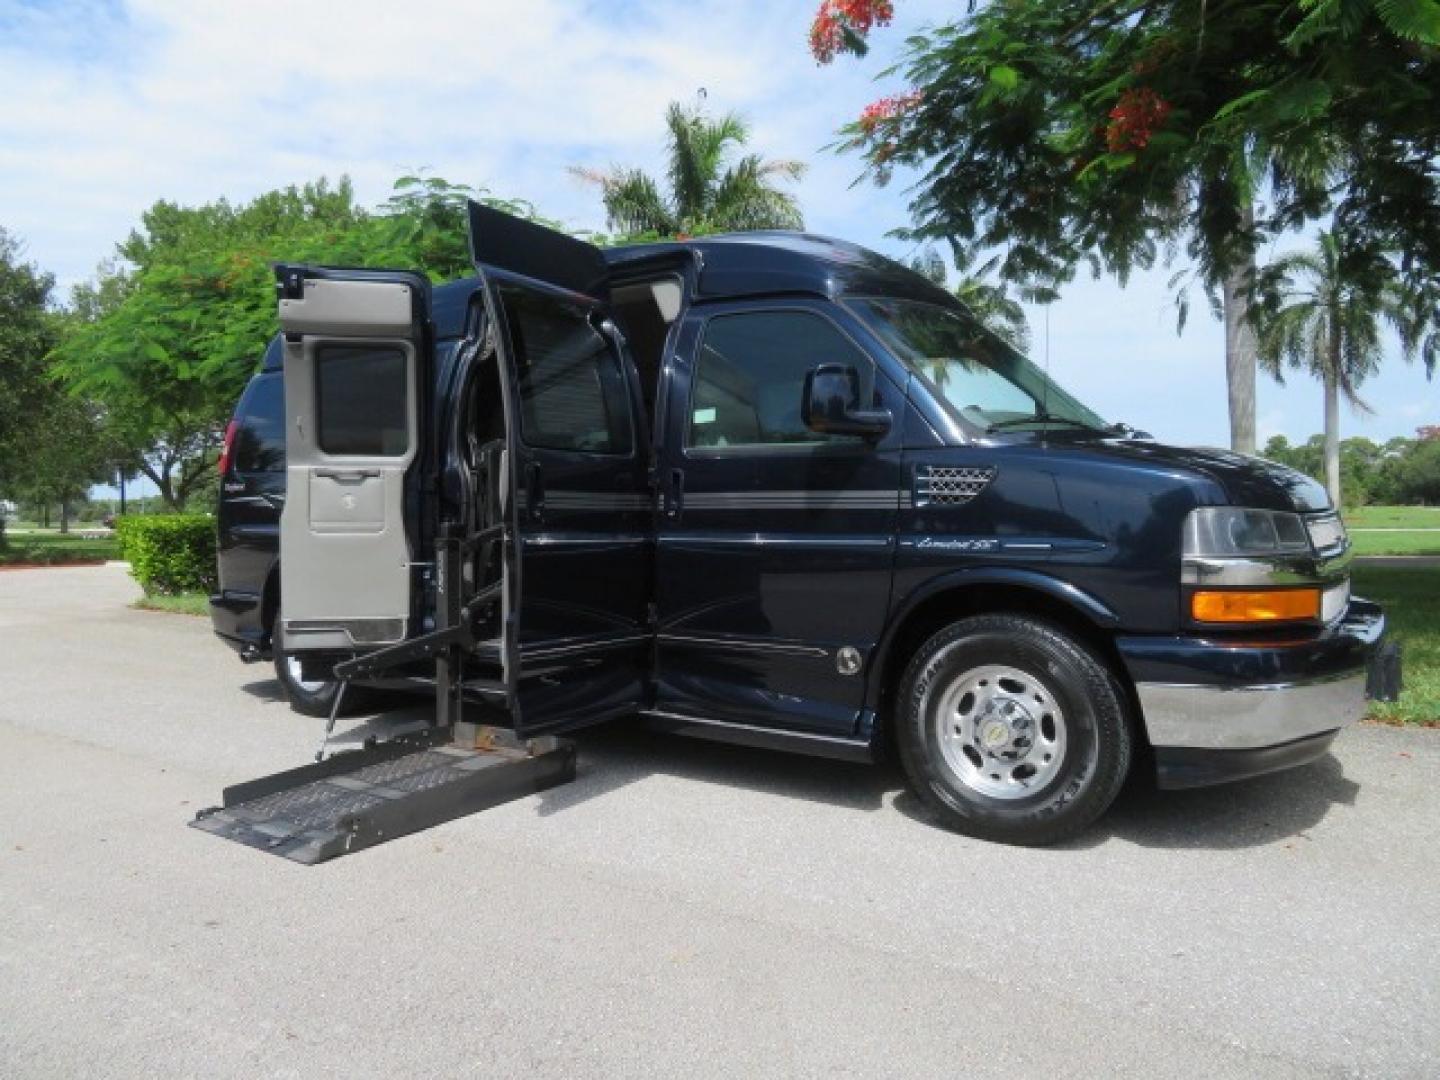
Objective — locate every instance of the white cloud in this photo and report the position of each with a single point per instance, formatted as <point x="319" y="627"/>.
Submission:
<point x="113" y="104"/>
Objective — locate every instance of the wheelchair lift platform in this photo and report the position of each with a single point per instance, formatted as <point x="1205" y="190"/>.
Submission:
<point x="359" y="798"/>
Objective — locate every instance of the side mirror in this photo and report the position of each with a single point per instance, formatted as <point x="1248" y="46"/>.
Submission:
<point x="831" y="405"/>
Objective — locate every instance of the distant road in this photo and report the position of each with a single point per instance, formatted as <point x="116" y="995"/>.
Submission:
<point x="1399" y="562"/>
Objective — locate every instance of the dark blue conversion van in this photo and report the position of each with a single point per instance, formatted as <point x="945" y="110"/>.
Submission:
<point x="777" y="490"/>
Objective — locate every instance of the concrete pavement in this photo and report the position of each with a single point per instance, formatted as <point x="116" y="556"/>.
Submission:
<point x="681" y="909"/>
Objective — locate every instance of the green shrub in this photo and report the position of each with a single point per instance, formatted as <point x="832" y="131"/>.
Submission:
<point x="169" y="553"/>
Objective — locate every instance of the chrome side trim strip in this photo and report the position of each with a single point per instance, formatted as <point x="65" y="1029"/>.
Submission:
<point x="548" y="652"/>
<point x="1249" y="717"/>
<point x="587" y="500"/>
<point x="775" y="539"/>
<point x="582" y="539"/>
<point x="876" y="499"/>
<point x="743" y="645"/>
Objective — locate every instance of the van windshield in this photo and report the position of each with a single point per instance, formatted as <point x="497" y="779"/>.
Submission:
<point x="984" y="382"/>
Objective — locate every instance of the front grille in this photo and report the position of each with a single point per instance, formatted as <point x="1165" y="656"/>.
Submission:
<point x="940" y="485"/>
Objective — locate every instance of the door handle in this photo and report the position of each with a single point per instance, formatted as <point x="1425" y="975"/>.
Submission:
<point x="675" y="495"/>
<point x="348" y="474"/>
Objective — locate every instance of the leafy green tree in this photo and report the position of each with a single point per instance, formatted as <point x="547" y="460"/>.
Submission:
<point x="424" y="224"/>
<point x="65" y="456"/>
<point x="1401" y="471"/>
<point x="709" y="190"/>
<point x="27" y="333"/>
<point x="1120" y="134"/>
<point x="1322" y="315"/>
<point x="51" y="449"/>
<point x="167" y="336"/>
<point x="1417" y="478"/>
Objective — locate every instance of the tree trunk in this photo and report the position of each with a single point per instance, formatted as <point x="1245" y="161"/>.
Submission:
<point x="1331" y="381"/>
<point x="162" y="480"/>
<point x="64" y="515"/>
<point x="1240" y="349"/>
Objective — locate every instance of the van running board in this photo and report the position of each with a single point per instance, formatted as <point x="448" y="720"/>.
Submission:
<point x="360" y="798"/>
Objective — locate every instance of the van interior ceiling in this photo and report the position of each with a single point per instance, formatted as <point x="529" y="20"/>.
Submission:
<point x="645" y="311"/>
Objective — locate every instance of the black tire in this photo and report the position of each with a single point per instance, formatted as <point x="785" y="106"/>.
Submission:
<point x="1060" y="703"/>
<point x="314" y="700"/>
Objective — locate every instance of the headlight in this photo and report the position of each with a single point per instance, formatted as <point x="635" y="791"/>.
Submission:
<point x="1230" y="531"/>
<point x="1255" y="567"/>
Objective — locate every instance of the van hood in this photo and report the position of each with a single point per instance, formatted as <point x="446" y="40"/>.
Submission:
<point x="1246" y="481"/>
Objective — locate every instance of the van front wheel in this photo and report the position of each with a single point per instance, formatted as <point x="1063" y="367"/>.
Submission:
<point x="1012" y="730"/>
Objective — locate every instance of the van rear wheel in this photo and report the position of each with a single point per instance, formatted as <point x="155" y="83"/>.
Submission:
<point x="1012" y="730"/>
<point x="308" y="697"/>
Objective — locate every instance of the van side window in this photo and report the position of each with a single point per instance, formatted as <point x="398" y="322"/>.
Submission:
<point x="362" y="400"/>
<point x="573" y="394"/>
<point x="260" y="437"/>
<point x="750" y="377"/>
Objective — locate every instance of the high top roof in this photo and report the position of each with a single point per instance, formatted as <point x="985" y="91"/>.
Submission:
<point x="742" y="265"/>
<point x="771" y="262"/>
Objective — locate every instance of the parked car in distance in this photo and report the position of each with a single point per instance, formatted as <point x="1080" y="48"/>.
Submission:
<point x="778" y="490"/>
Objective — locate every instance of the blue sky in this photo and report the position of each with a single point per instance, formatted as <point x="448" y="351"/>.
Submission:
<point x="112" y="105"/>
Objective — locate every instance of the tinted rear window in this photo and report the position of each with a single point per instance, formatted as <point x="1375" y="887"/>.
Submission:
<point x="260" y="438"/>
<point x="259" y="441"/>
<point x="363" y="400"/>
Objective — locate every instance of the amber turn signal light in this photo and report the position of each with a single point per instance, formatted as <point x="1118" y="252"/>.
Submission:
<point x="1276" y="605"/>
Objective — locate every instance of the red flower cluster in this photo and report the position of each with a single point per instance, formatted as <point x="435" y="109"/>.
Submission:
<point x="887" y="108"/>
<point x="827" y="32"/>
<point x="1134" y="119"/>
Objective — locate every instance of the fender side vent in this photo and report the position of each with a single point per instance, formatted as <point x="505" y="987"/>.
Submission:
<point x="940" y="485"/>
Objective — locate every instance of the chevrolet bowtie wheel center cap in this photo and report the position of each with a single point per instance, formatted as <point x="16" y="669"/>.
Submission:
<point x="1001" y="730"/>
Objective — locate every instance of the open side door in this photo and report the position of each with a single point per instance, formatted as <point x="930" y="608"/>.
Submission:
<point x="578" y="633"/>
<point x="357" y="370"/>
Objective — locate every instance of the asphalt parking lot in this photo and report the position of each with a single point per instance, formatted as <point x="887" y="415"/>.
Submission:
<point x="681" y="909"/>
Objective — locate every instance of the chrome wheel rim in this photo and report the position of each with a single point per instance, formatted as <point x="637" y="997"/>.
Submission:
<point x="310" y="686"/>
<point x="1001" y="731"/>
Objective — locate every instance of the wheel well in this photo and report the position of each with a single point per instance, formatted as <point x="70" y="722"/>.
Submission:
<point x="938" y="611"/>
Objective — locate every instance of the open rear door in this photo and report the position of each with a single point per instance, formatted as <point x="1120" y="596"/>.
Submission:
<point x="578" y="635"/>
<point x="357" y="366"/>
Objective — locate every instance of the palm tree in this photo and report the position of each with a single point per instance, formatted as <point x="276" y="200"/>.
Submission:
<point x="707" y="192"/>
<point x="1321" y="312"/>
<point x="991" y="304"/>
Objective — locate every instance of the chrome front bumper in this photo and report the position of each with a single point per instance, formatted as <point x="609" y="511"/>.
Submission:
<point x="1216" y="710"/>
<point x="1248" y="717"/>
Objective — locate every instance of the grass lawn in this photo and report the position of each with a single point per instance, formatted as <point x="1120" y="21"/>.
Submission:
<point x="1412" y="605"/>
<point x="184" y="604"/>
<point x="1396" y="543"/>
<point x="49" y="548"/>
<point x="1393" y="517"/>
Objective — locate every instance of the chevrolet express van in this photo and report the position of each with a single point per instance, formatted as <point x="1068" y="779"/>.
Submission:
<point x="777" y="490"/>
